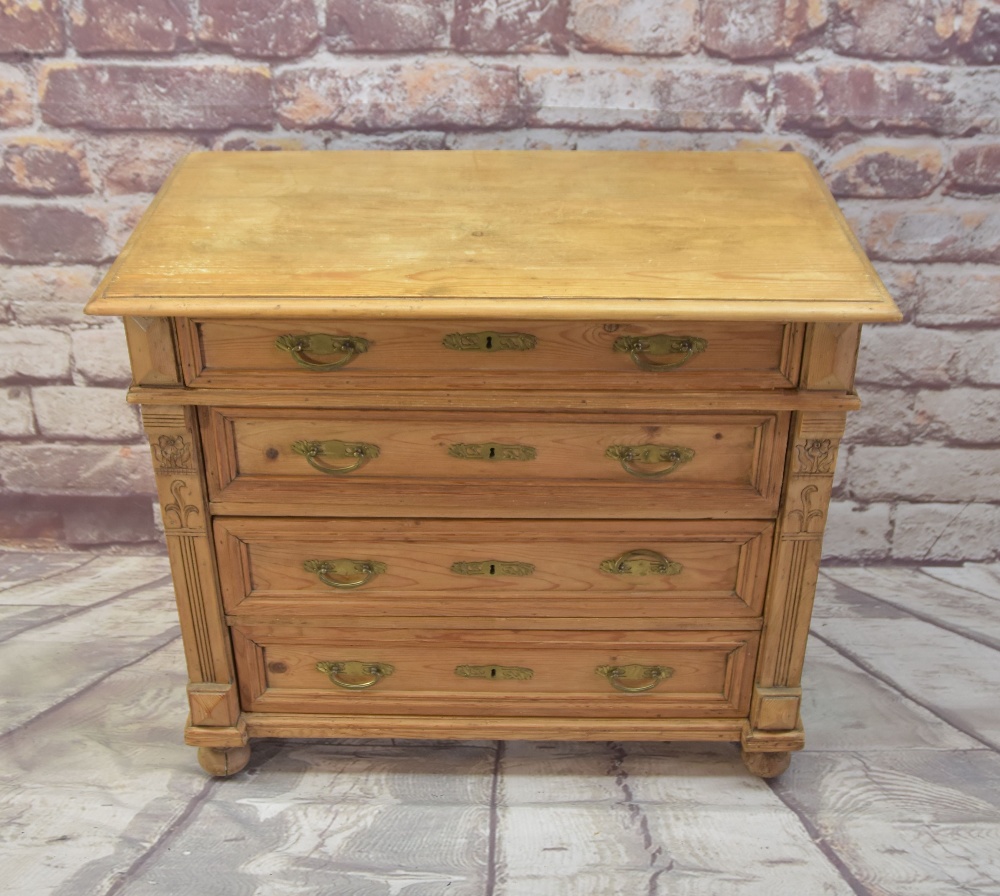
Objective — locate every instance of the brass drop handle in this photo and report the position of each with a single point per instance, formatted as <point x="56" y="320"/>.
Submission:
<point x="616" y="675"/>
<point x="630" y="455"/>
<point x="300" y="347"/>
<point x="660" y="344"/>
<point x="369" y="673"/>
<point x="641" y="562"/>
<point x="313" y="451"/>
<point x="363" y="571"/>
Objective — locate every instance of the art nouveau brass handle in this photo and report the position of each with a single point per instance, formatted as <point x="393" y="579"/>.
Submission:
<point x="369" y="673"/>
<point x="300" y="347"/>
<point x="362" y="571"/>
<point x="641" y="562"/>
<point x="629" y="455"/>
<point x="333" y="448"/>
<point x="660" y="344"/>
<point x="616" y="675"/>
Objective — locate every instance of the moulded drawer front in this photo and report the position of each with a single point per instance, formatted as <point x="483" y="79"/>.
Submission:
<point x="374" y="354"/>
<point x="530" y="568"/>
<point x="379" y="463"/>
<point x="440" y="672"/>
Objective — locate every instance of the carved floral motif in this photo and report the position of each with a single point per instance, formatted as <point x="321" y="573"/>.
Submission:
<point x="178" y="514"/>
<point x="816" y="456"/>
<point x="172" y="454"/>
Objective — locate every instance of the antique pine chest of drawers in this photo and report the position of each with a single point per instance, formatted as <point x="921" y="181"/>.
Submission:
<point x="494" y="444"/>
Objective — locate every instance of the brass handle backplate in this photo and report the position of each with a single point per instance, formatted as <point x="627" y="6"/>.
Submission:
<point x="630" y="455"/>
<point x="345" y="573"/>
<point x="660" y="344"/>
<point x="492" y="451"/>
<point x="489" y="341"/>
<point x="641" y="562"/>
<point x="495" y="673"/>
<point x="492" y="568"/>
<point x="355" y="675"/>
<point x="359" y="452"/>
<point x="617" y="675"/>
<point x="301" y="347"/>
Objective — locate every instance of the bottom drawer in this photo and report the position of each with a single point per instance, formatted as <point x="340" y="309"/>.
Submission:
<point x="431" y="672"/>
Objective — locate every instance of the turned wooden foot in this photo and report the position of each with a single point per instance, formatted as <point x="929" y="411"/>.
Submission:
<point x="766" y="765"/>
<point x="223" y="762"/>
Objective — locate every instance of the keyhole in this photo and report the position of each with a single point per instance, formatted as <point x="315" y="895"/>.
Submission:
<point x="493" y="452"/>
<point x="493" y="672"/>
<point x="489" y="342"/>
<point x="493" y="569"/>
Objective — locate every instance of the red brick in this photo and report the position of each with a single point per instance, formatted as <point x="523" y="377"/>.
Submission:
<point x="919" y="29"/>
<point x="35" y="234"/>
<point x="884" y="170"/>
<point x="961" y="231"/>
<point x="59" y="469"/>
<point x="510" y="26"/>
<point x="156" y="97"/>
<point x="42" y="166"/>
<point x="866" y="97"/>
<point x="131" y="26"/>
<point x="396" y="96"/>
<point x="754" y="29"/>
<point x="976" y="169"/>
<point x="383" y="26"/>
<point x="33" y="353"/>
<point x="48" y="295"/>
<point x="30" y="26"/>
<point x="16" y="107"/>
<point x="608" y="95"/>
<point x="635" y="26"/>
<point x="958" y="295"/>
<point x="979" y="37"/>
<point x="138" y="164"/>
<point x="268" y="28"/>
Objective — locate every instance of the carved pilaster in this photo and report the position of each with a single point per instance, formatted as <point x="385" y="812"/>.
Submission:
<point x="810" y="466"/>
<point x="180" y="485"/>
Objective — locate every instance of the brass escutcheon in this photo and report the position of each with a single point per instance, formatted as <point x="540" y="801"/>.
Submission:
<point x="492" y="568"/>
<point x="660" y="344"/>
<point x="495" y="673"/>
<point x="641" y="562"/>
<point x="300" y="347"/>
<point x="629" y="455"/>
<point x="489" y="341"/>
<point x="634" y="672"/>
<point x="334" y="448"/>
<point x="345" y="573"/>
<point x="492" y="451"/>
<point x="370" y="674"/>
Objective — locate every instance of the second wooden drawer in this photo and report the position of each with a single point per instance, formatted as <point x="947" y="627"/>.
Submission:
<point x="365" y="463"/>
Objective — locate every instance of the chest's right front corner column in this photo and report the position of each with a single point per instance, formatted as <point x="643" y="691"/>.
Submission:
<point x="774" y="726"/>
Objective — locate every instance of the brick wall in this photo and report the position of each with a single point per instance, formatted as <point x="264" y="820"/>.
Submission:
<point x="897" y="101"/>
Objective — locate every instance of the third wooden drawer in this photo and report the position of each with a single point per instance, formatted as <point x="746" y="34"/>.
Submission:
<point x="544" y="570"/>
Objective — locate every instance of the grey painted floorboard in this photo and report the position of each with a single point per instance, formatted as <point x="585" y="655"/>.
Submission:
<point x="897" y="792"/>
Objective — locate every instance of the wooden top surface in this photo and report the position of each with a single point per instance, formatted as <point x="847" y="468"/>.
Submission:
<point x="646" y="235"/>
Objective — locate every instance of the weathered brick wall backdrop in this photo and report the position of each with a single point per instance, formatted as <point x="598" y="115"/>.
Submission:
<point x="896" y="101"/>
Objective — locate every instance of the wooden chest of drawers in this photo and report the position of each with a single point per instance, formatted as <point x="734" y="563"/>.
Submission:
<point x="505" y="445"/>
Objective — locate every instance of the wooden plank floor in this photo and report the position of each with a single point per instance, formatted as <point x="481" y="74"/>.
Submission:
<point x="898" y="791"/>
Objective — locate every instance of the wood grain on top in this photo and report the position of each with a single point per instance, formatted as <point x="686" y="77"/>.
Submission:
<point x="740" y="236"/>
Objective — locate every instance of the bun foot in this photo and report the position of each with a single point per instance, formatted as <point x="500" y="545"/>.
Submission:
<point x="223" y="762"/>
<point x="766" y="765"/>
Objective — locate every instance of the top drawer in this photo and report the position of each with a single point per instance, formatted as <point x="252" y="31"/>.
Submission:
<point x="443" y="354"/>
